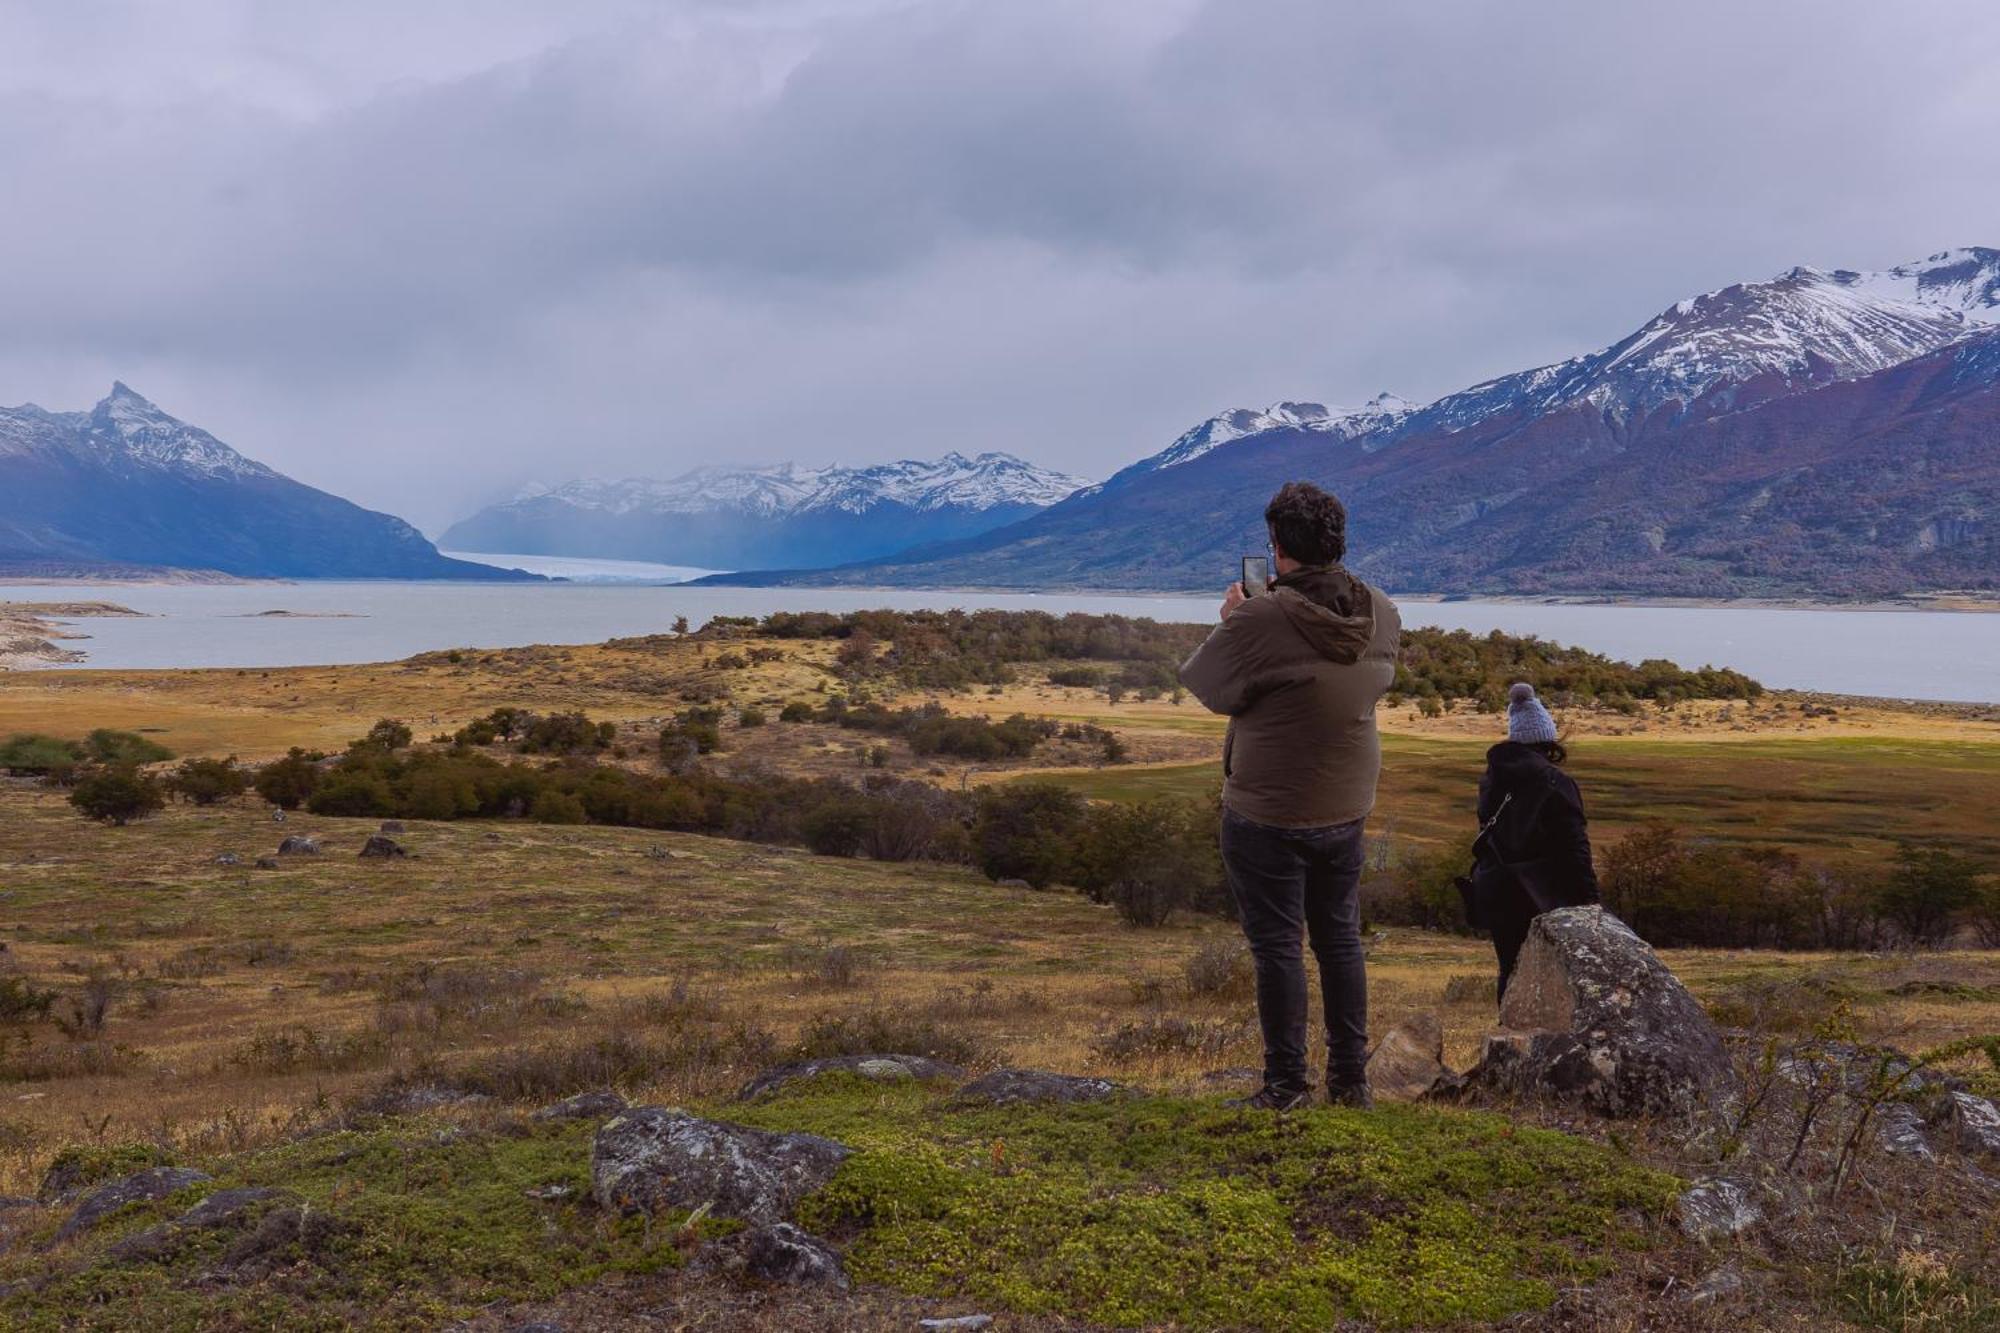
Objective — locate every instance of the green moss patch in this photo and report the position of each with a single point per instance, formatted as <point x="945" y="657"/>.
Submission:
<point x="401" y="1227"/>
<point x="1157" y="1211"/>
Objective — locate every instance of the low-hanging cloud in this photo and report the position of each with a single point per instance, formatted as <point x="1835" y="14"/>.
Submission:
<point x="420" y="253"/>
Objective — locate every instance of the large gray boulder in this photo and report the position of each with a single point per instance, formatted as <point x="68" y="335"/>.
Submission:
<point x="654" y="1158"/>
<point x="1593" y="1016"/>
<point x="298" y="844"/>
<point x="878" y="1068"/>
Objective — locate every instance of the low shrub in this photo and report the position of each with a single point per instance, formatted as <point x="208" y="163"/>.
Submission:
<point x="1220" y="967"/>
<point x="117" y="796"/>
<point x="885" y="1032"/>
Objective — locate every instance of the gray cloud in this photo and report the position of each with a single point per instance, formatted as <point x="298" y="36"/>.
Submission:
<point x="418" y="253"/>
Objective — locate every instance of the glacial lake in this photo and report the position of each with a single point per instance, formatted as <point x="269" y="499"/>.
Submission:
<point x="1896" y="654"/>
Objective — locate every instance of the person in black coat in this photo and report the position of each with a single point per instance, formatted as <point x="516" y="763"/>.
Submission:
<point x="1533" y="851"/>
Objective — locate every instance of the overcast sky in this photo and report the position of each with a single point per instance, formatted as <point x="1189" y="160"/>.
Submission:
<point x="421" y="251"/>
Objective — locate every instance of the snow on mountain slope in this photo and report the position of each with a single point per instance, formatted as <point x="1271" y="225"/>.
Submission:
<point x="975" y="484"/>
<point x="1378" y="413"/>
<point x="1801" y="329"/>
<point x="126" y="425"/>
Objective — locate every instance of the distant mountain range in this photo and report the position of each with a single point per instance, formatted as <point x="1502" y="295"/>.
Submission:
<point x="761" y="517"/>
<point x="1822" y="433"/>
<point x="126" y="488"/>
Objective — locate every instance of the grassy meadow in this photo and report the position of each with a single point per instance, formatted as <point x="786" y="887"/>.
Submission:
<point x="268" y="1024"/>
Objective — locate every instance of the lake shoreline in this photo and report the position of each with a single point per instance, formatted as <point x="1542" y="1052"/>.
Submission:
<point x="1969" y="603"/>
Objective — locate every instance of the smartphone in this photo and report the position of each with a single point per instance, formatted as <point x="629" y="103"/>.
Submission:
<point x="1256" y="574"/>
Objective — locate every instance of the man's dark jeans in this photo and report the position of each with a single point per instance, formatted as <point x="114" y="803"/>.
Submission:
<point x="1293" y="885"/>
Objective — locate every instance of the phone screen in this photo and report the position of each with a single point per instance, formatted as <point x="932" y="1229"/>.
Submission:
<point x="1256" y="574"/>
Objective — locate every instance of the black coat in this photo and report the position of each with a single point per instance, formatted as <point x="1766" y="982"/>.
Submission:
<point x="1541" y="836"/>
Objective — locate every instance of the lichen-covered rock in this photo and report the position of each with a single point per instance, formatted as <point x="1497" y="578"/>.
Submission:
<point x="1593" y="1016"/>
<point x="782" y="1252"/>
<point x="880" y="1068"/>
<point x="1011" y="1087"/>
<point x="1713" y="1210"/>
<point x="654" y="1158"/>
<point x="1973" y="1124"/>
<point x="154" y="1183"/>
<point x="601" y="1105"/>
<point x="228" y="859"/>
<point x="1409" y="1060"/>
<point x="298" y="844"/>
<point x="1899" y="1131"/>
<point x="380" y="846"/>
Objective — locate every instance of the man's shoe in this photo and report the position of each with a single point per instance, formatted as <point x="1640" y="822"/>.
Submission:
<point x="1270" y="1098"/>
<point x="1354" y="1095"/>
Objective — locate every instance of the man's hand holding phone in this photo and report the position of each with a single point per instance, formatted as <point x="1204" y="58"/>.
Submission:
<point x="1232" y="599"/>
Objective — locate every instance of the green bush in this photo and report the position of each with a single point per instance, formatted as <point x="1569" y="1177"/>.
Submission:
<point x="796" y="711"/>
<point x="289" y="782"/>
<point x="124" y="747"/>
<point x="1025" y="831"/>
<point x="1151" y="859"/>
<point x="208" y="781"/>
<point x="117" y="795"/>
<point x="35" y="755"/>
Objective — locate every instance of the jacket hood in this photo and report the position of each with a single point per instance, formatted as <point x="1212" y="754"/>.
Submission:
<point x="1514" y="760"/>
<point x="1330" y="608"/>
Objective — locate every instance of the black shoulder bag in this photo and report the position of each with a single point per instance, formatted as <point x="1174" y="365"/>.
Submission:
<point x="1475" y="889"/>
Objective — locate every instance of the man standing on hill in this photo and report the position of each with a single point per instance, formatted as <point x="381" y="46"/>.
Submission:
<point x="1298" y="669"/>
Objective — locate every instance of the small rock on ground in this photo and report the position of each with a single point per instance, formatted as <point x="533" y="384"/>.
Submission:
<point x="380" y="846"/>
<point x="964" y="1323"/>
<point x="298" y="844"/>
<point x="880" y="1068"/>
<point x="1409" y="1060"/>
<point x="783" y="1253"/>
<point x="1717" y="1210"/>
<point x="392" y="826"/>
<point x="224" y="1208"/>
<point x="1010" y="1087"/>
<point x="1973" y="1124"/>
<point x="1899" y="1131"/>
<point x="601" y="1105"/>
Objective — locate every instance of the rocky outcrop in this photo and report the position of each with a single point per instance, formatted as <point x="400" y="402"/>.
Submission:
<point x="1408" y="1063"/>
<point x="1594" y="1017"/>
<point x="224" y="1209"/>
<point x="878" y="1068"/>
<point x="653" y="1158"/>
<point x="154" y="1183"/>
<point x="1013" y="1087"/>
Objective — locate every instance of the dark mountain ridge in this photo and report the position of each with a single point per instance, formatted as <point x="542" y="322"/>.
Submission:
<point x="126" y="485"/>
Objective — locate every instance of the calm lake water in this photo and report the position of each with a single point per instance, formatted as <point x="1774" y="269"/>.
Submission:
<point x="1898" y="654"/>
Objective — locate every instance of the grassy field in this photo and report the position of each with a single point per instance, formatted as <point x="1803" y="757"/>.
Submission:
<point x="1831" y="799"/>
<point x="156" y="1004"/>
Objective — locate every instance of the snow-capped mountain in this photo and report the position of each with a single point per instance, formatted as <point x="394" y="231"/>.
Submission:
<point x="1827" y="432"/>
<point x="1748" y="343"/>
<point x="784" y="515"/>
<point x="127" y="485"/>
<point x="1344" y="423"/>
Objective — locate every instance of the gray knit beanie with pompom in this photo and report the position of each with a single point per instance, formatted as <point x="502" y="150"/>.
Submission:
<point x="1527" y="721"/>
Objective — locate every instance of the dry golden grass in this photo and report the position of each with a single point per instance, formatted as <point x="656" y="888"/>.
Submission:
<point x="223" y="974"/>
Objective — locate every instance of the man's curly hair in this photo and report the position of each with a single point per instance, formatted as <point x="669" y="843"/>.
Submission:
<point x="1307" y="523"/>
